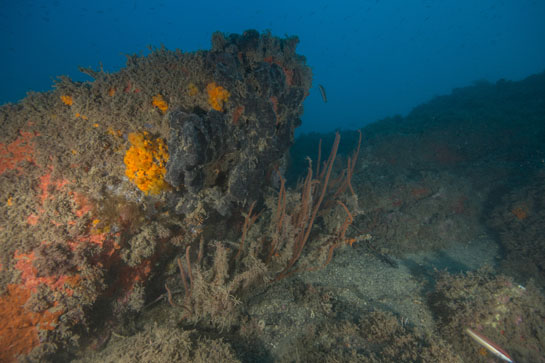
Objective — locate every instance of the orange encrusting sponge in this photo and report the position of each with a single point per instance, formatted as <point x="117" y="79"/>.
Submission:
<point x="67" y="100"/>
<point x="160" y="103"/>
<point x="217" y="96"/>
<point x="145" y="162"/>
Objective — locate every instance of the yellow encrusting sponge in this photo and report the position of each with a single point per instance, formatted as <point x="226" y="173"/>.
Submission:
<point x="145" y="162"/>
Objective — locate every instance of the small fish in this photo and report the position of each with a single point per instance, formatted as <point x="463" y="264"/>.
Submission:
<point x="493" y="348"/>
<point x="322" y="91"/>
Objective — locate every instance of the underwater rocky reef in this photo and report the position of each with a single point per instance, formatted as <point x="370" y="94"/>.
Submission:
<point x="106" y="181"/>
<point x="165" y="213"/>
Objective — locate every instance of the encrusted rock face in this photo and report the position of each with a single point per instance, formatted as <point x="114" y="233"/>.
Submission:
<point x="228" y="154"/>
<point x="104" y="182"/>
<point x="193" y="141"/>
